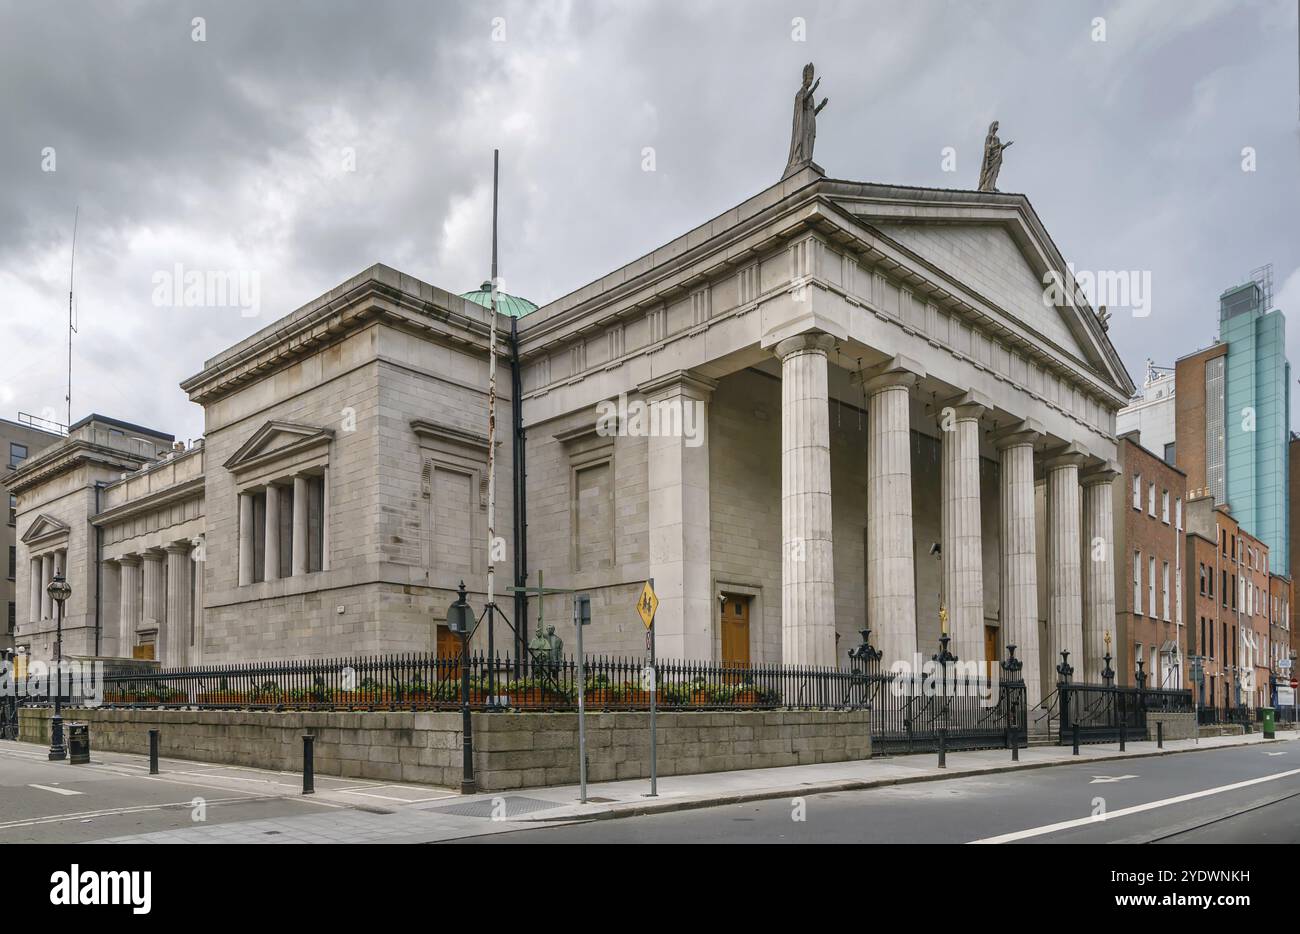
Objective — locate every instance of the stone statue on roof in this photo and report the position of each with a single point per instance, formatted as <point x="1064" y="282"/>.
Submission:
<point x="992" y="164"/>
<point x="803" y="133"/>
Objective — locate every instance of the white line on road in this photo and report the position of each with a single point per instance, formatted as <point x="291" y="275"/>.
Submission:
<point x="109" y="812"/>
<point x="1135" y="809"/>
<point x="1104" y="779"/>
<point x="57" y="791"/>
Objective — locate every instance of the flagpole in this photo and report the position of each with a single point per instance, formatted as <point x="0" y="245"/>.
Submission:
<point x="492" y="444"/>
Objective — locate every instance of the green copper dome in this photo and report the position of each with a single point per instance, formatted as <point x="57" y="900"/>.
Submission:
<point x="511" y="305"/>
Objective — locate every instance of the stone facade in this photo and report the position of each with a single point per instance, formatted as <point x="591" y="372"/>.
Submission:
<point x="18" y="441"/>
<point x="840" y="366"/>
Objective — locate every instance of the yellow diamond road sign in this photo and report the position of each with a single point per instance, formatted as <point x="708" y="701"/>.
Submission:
<point x="646" y="604"/>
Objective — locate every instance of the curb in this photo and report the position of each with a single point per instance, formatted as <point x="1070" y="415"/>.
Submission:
<point x="767" y="794"/>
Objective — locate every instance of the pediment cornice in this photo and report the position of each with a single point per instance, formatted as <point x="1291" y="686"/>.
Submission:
<point x="44" y="530"/>
<point x="276" y="441"/>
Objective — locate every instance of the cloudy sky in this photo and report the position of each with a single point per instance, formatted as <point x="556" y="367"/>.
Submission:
<point x="302" y="141"/>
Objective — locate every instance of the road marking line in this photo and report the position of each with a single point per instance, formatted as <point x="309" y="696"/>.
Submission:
<point x="110" y="812"/>
<point x="1104" y="779"/>
<point x="57" y="791"/>
<point x="1135" y="809"/>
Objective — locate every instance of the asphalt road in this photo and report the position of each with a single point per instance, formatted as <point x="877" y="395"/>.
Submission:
<point x="1050" y="805"/>
<point x="55" y="802"/>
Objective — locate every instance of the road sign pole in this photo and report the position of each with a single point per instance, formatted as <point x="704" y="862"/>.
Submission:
<point x="578" y="619"/>
<point x="654" y="695"/>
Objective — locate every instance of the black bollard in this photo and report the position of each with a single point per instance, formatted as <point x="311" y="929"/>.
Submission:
<point x="1160" y="734"/>
<point x="1075" y="730"/>
<point x="153" y="751"/>
<point x="1123" y="734"/>
<point x="308" y="772"/>
<point x="943" y="749"/>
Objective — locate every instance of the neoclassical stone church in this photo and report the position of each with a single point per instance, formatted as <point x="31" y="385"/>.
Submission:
<point x="892" y="420"/>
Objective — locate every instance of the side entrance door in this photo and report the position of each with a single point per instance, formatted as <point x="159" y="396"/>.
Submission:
<point x="735" y="631"/>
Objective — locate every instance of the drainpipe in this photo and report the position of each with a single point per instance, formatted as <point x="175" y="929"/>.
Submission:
<point x="520" y="504"/>
<point x="99" y="570"/>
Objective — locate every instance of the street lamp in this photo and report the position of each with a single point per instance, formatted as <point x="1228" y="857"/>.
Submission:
<point x="59" y="590"/>
<point x="460" y="620"/>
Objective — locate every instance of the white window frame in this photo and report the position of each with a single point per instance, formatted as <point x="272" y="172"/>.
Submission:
<point x="1137" y="492"/>
<point x="1151" y="499"/>
<point x="1137" y="582"/>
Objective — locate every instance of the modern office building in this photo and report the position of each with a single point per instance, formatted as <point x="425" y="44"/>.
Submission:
<point x="1257" y="415"/>
<point x="1233" y="415"/>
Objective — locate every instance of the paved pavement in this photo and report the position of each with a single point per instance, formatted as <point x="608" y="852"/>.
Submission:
<point x="115" y="800"/>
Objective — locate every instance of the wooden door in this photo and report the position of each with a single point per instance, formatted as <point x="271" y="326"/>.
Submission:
<point x="991" y="649"/>
<point x="144" y="650"/>
<point x="448" y="643"/>
<point x="735" y="630"/>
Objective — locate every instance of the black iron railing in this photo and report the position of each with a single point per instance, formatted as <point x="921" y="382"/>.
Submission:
<point x="429" y="682"/>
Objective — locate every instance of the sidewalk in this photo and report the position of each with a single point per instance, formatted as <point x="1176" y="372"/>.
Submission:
<point x="681" y="792"/>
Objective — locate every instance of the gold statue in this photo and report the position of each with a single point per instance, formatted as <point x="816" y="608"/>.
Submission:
<point x="943" y="619"/>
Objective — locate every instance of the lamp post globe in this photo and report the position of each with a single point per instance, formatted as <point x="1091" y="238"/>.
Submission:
<point x="59" y="591"/>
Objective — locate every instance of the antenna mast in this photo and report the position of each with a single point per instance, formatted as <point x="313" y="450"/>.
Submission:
<point x="72" y="328"/>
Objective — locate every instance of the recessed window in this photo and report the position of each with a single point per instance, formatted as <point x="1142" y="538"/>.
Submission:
<point x="17" y="454"/>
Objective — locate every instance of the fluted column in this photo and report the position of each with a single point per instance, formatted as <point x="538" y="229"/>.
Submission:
<point x="155" y="596"/>
<point x="35" y="589"/>
<point x="679" y="536"/>
<point x="194" y="641"/>
<point x="1098" y="568"/>
<point x="325" y="517"/>
<point x="271" y="553"/>
<point x="247" y="551"/>
<point x="300" y="494"/>
<point x="173" y="637"/>
<point x="963" y="558"/>
<point x="110" y="605"/>
<point x="47" y="574"/>
<point x="1064" y="574"/>
<point x="129" y="591"/>
<point x="1020" y="556"/>
<point x="891" y="572"/>
<point x="807" y="558"/>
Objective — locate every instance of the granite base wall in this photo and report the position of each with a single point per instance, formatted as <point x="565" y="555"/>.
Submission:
<point x="511" y="750"/>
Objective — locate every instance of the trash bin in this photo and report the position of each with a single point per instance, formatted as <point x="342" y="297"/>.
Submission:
<point x="79" y="743"/>
<point x="1267" y="715"/>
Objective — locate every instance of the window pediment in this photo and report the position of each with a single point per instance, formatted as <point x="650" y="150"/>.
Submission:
<point x="44" y="530"/>
<point x="278" y="446"/>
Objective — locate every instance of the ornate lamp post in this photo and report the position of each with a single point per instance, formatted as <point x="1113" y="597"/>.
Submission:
<point x="460" y="620"/>
<point x="1107" y="673"/>
<point x="59" y="590"/>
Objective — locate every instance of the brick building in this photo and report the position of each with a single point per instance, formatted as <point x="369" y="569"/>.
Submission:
<point x="1230" y="632"/>
<point x="1149" y="610"/>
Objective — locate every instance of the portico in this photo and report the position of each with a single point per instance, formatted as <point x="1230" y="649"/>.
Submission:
<point x="892" y="399"/>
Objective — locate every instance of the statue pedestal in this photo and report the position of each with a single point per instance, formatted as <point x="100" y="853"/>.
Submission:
<point x="797" y="167"/>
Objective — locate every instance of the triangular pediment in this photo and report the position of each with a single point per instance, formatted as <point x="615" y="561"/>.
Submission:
<point x="994" y="247"/>
<point x="277" y="439"/>
<point x="44" y="528"/>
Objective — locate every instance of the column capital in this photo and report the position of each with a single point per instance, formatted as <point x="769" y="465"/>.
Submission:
<point x="177" y="548"/>
<point x="678" y="382"/>
<point x="969" y="405"/>
<point x="807" y="342"/>
<point x="898" y="370"/>
<point x="1071" y="455"/>
<point x="130" y="561"/>
<point x="1104" y="472"/>
<point x="153" y="554"/>
<point x="1029" y="431"/>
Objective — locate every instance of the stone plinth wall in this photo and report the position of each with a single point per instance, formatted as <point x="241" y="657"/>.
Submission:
<point x="1177" y="725"/>
<point x="511" y="750"/>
